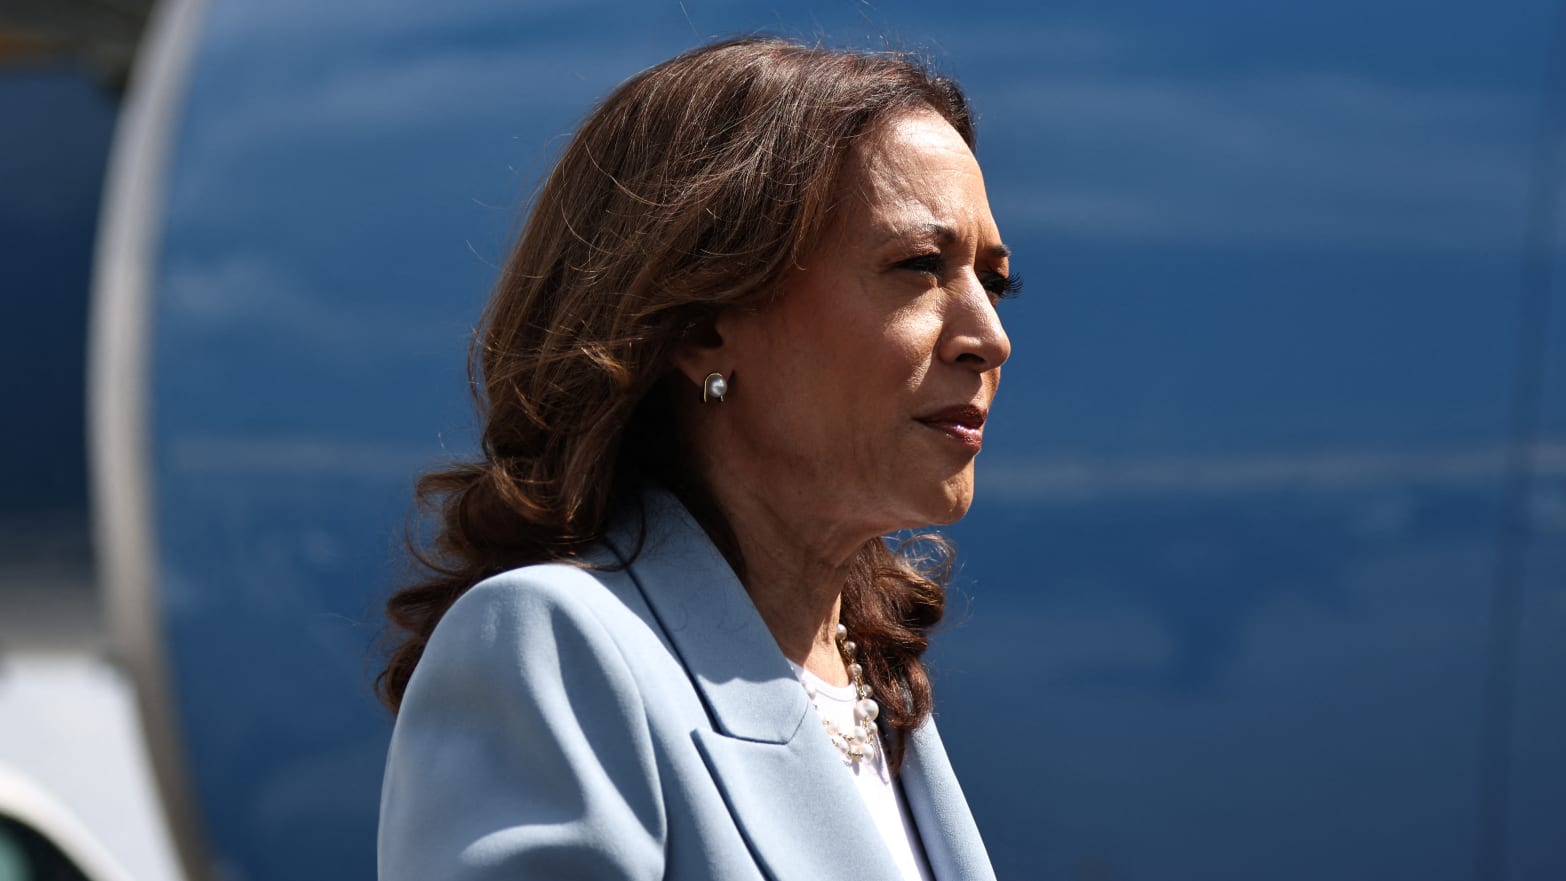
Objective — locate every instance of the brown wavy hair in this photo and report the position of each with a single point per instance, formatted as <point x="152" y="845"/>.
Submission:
<point x="695" y="187"/>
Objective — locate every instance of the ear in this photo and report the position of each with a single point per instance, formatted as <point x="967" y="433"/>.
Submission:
<point x="703" y="351"/>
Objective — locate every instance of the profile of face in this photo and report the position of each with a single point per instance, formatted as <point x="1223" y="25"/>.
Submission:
<point x="860" y="392"/>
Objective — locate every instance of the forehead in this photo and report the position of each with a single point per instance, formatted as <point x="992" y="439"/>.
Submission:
<point x="916" y="168"/>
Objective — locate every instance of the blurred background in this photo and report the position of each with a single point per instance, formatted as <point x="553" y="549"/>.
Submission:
<point x="1267" y="572"/>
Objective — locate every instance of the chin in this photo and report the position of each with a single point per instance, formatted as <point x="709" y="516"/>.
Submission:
<point x="954" y="498"/>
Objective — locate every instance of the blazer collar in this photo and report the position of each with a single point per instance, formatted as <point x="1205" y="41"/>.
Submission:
<point x="714" y="627"/>
<point x="755" y="701"/>
<point x="951" y="838"/>
<point x="799" y="823"/>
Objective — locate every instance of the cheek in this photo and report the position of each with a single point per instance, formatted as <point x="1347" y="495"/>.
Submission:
<point x="832" y="404"/>
<point x="879" y="368"/>
<point x="836" y="372"/>
<point x="834" y="351"/>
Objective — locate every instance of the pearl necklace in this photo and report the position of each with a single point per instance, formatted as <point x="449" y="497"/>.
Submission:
<point x="859" y="742"/>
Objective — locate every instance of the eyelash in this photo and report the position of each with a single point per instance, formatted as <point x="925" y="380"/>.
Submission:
<point x="1002" y="287"/>
<point x="1005" y="286"/>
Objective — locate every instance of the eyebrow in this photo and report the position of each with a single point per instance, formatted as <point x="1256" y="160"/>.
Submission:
<point x="945" y="235"/>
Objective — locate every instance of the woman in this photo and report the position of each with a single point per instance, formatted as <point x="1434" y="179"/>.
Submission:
<point x="749" y="329"/>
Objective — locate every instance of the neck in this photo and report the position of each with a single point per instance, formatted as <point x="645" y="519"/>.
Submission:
<point x="795" y="570"/>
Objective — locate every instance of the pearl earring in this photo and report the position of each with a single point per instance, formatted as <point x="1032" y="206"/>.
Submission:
<point x="714" y="386"/>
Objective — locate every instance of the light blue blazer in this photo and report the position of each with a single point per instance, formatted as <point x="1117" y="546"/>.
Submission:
<point x="635" y="724"/>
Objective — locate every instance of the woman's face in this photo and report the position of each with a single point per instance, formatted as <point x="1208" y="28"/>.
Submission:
<point x="861" y="392"/>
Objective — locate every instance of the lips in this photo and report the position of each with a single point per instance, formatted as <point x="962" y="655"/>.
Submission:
<point x="963" y="423"/>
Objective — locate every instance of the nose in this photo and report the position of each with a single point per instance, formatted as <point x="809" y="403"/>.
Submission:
<point x="974" y="335"/>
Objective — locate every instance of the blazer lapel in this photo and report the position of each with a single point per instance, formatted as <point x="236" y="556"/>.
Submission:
<point x="951" y="839"/>
<point x="803" y="820"/>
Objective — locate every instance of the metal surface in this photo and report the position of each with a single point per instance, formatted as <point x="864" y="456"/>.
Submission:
<point x="1524" y="474"/>
<point x="1225" y="598"/>
<point x="119" y="352"/>
<point x="23" y="801"/>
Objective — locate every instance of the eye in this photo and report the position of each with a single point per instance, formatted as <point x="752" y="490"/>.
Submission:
<point x="929" y="264"/>
<point x="1003" y="287"/>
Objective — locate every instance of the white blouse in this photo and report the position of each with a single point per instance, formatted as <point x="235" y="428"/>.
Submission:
<point x="881" y="794"/>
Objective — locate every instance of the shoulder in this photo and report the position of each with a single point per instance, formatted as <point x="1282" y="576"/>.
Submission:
<point x="541" y="621"/>
<point x="560" y="584"/>
<point x="533" y="609"/>
<point x="522" y="657"/>
<point x="537" y="595"/>
<point x="549" y="588"/>
<point x="523" y="739"/>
